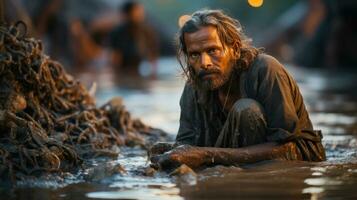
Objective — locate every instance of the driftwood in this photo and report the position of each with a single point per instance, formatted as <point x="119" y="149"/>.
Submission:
<point x="48" y="121"/>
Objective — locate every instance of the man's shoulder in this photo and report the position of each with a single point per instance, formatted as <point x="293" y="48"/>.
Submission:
<point x="188" y="97"/>
<point x="188" y="90"/>
<point x="265" y="63"/>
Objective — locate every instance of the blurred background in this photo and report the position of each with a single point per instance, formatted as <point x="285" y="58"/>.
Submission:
<point x="127" y="47"/>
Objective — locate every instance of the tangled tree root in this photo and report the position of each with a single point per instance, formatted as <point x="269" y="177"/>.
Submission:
<point x="48" y="120"/>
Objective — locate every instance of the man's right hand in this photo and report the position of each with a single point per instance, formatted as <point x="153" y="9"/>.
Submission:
<point x="193" y="157"/>
<point x="160" y="148"/>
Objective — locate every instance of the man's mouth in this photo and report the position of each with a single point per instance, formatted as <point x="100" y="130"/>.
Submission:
<point x="207" y="74"/>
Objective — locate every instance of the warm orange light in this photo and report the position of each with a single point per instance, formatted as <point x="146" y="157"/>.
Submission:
<point x="255" y="3"/>
<point x="183" y="19"/>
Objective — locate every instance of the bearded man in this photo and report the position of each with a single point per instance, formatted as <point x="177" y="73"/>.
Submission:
<point x="239" y="105"/>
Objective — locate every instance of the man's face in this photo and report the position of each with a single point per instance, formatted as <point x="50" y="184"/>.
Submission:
<point x="211" y="62"/>
<point x="137" y="15"/>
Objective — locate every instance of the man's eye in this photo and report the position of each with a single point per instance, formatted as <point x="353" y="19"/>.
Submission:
<point x="213" y="51"/>
<point x="194" y="55"/>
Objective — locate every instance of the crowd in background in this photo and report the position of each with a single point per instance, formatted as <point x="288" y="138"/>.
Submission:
<point x="89" y="35"/>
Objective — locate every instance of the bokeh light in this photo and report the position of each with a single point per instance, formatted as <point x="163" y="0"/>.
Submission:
<point x="255" y="3"/>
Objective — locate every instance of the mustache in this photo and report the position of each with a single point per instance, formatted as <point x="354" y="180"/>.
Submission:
<point x="203" y="72"/>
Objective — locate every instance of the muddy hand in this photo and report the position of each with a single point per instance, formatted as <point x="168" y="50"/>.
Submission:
<point x="163" y="162"/>
<point x="193" y="157"/>
<point x="160" y="148"/>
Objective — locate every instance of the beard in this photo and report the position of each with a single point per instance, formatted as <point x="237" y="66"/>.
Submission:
<point x="213" y="78"/>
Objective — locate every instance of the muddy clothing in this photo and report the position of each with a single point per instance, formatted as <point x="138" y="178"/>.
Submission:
<point x="271" y="109"/>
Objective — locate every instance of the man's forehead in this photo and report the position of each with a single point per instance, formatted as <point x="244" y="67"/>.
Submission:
<point x="204" y="35"/>
<point x="204" y="32"/>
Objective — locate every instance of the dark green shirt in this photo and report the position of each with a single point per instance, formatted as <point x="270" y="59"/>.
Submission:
<point x="267" y="82"/>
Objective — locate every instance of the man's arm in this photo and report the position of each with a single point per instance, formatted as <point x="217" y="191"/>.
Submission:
<point x="196" y="157"/>
<point x="116" y="58"/>
<point x="287" y="118"/>
<point x="186" y="133"/>
<point x="251" y="154"/>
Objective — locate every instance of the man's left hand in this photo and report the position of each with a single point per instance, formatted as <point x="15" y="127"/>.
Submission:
<point x="193" y="157"/>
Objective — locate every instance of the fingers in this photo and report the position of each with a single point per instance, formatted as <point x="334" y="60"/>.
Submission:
<point x="164" y="162"/>
<point x="155" y="162"/>
<point x="164" y="157"/>
<point x="155" y="159"/>
<point x="160" y="148"/>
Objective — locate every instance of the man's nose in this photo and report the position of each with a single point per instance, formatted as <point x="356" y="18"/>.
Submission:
<point x="205" y="61"/>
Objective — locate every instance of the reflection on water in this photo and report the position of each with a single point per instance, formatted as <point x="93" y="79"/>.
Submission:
<point x="141" y="194"/>
<point x="330" y="97"/>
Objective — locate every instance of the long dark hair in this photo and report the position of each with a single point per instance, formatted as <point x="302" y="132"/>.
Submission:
<point x="230" y="33"/>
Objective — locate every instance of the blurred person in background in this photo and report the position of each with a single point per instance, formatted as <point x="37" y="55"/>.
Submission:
<point x="86" y="53"/>
<point x="90" y="60"/>
<point x="330" y="30"/>
<point x="51" y="26"/>
<point x="316" y="33"/>
<point x="133" y="41"/>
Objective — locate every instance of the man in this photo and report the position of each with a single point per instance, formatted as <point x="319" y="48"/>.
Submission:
<point x="133" y="41"/>
<point x="239" y="105"/>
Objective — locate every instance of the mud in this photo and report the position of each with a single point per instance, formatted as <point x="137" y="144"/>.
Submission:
<point x="49" y="122"/>
<point x="331" y="100"/>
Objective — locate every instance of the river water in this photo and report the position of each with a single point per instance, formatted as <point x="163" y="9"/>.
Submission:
<point x="331" y="98"/>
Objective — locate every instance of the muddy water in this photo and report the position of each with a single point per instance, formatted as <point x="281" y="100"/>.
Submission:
<point x="331" y="98"/>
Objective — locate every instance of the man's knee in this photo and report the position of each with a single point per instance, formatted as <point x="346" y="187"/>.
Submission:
<point x="245" y="105"/>
<point x="249" y="114"/>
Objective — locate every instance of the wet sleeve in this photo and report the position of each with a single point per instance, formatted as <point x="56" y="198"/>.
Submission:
<point x="186" y="133"/>
<point x="275" y="92"/>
